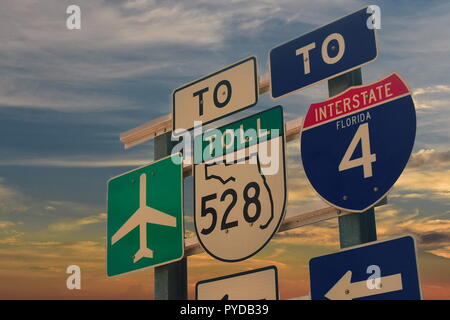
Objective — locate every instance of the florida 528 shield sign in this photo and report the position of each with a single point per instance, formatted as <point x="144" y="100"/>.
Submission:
<point x="355" y="145"/>
<point x="240" y="185"/>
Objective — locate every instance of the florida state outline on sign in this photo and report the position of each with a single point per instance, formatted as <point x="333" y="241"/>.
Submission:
<point x="355" y="145"/>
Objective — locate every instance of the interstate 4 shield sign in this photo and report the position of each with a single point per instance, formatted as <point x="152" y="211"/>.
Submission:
<point x="240" y="185"/>
<point x="355" y="145"/>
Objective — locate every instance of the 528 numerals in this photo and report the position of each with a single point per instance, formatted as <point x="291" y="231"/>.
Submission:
<point x="250" y="201"/>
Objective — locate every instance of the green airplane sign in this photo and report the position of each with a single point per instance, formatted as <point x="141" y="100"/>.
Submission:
<point x="145" y="217"/>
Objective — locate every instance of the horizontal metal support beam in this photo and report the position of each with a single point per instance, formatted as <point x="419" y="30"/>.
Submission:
<point x="161" y="125"/>
<point x="308" y="297"/>
<point x="309" y="213"/>
<point x="147" y="131"/>
<point x="264" y="83"/>
<point x="293" y="128"/>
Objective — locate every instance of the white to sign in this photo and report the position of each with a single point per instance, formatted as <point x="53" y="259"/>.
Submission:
<point x="217" y="95"/>
<point x="259" y="284"/>
<point x="240" y="195"/>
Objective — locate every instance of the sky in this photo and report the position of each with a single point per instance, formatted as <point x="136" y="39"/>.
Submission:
<point x="67" y="95"/>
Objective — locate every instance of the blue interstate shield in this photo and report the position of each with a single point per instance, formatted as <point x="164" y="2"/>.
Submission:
<point x="355" y="145"/>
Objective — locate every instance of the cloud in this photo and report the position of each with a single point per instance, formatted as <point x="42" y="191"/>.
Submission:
<point x="45" y="243"/>
<point x="106" y="24"/>
<point x="323" y="234"/>
<point x="432" y="98"/>
<point x="429" y="158"/>
<point x="6" y="192"/>
<point x="435" y="238"/>
<point x="442" y="252"/>
<point x="27" y="215"/>
<point x="427" y="176"/>
<point x="47" y="66"/>
<point x="432" y="232"/>
<point x="424" y="105"/>
<point x="72" y="162"/>
<point x="426" y="20"/>
<point x="11" y="200"/>
<point x="25" y="95"/>
<point x="44" y="65"/>
<point x="6" y="224"/>
<point x="440" y="88"/>
<point x="14" y="238"/>
<point x="300" y="191"/>
<point x="77" y="224"/>
<point x="87" y="247"/>
<point x="432" y="183"/>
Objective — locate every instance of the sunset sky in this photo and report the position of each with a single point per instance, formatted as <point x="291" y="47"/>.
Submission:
<point x="67" y="95"/>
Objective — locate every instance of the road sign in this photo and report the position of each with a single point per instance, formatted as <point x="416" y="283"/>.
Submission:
<point x="259" y="284"/>
<point x="217" y="95"/>
<point x="145" y="217"/>
<point x="355" y="145"/>
<point x="384" y="270"/>
<point x="240" y="185"/>
<point x="333" y="49"/>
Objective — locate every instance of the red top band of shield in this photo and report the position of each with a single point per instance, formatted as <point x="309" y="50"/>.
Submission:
<point x="356" y="99"/>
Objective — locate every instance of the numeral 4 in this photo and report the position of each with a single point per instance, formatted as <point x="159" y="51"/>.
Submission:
<point x="362" y="134"/>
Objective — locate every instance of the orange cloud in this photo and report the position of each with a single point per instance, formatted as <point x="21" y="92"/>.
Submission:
<point x="77" y="224"/>
<point x="442" y="252"/>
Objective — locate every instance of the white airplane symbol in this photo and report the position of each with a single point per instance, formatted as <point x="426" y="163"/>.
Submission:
<point x="141" y="217"/>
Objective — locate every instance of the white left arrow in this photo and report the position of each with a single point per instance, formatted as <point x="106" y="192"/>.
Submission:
<point x="345" y="289"/>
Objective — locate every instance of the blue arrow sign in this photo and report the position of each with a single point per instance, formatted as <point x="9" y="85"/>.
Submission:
<point x="384" y="270"/>
<point x="355" y="145"/>
<point x="333" y="49"/>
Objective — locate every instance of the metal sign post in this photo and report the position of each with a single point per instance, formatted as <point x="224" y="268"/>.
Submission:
<point x="356" y="228"/>
<point x="171" y="279"/>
